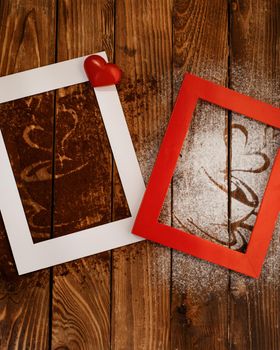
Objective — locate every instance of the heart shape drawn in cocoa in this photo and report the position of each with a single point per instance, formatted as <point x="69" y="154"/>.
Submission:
<point x="101" y="73"/>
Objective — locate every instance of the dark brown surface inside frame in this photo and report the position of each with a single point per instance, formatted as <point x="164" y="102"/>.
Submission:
<point x="142" y="296"/>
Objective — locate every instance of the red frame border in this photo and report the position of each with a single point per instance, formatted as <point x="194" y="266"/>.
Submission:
<point x="146" y="223"/>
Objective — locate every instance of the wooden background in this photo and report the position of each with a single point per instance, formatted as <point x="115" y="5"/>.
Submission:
<point x="142" y="296"/>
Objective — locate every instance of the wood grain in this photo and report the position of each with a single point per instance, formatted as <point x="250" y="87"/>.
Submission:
<point x="255" y="40"/>
<point x="141" y="272"/>
<point x="141" y="296"/>
<point x="26" y="38"/>
<point x="83" y="177"/>
<point x="199" y="289"/>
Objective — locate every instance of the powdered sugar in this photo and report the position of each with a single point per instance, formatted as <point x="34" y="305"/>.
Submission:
<point x="196" y="199"/>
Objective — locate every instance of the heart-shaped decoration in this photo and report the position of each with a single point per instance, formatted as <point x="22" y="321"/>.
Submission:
<point x="101" y="73"/>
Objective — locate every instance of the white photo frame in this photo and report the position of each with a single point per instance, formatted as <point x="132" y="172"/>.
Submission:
<point x="30" y="256"/>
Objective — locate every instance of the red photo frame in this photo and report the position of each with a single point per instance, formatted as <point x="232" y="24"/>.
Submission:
<point x="146" y="224"/>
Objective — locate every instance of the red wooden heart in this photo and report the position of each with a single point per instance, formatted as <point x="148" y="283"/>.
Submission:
<point x="101" y="73"/>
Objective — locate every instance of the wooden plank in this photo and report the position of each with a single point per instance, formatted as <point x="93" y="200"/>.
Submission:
<point x="255" y="71"/>
<point x="27" y="41"/>
<point x="83" y="176"/>
<point x="199" y="289"/>
<point x="141" y="272"/>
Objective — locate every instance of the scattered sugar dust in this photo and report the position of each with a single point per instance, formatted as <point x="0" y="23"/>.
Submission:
<point x="192" y="190"/>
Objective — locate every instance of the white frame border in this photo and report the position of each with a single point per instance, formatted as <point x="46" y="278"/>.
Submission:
<point x="31" y="256"/>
